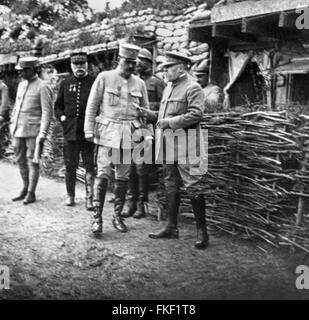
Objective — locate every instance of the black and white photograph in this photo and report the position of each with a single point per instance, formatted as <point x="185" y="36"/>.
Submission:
<point x="154" y="154"/>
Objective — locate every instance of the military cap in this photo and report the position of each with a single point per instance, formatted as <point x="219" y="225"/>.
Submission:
<point x="202" y="67"/>
<point x="27" y="62"/>
<point x="129" y="51"/>
<point x="172" y="58"/>
<point x="78" y="57"/>
<point x="145" y="54"/>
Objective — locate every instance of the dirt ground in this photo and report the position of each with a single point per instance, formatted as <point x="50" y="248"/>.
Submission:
<point x="52" y="255"/>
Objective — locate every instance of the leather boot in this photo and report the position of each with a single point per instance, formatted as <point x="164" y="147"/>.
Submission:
<point x="34" y="173"/>
<point x="100" y="187"/>
<point x="120" y="195"/>
<point x="70" y="181"/>
<point x="170" y="231"/>
<point x="24" y="172"/>
<point x="30" y="198"/>
<point x="199" y="209"/>
<point x="132" y="194"/>
<point x="89" y="179"/>
<point x="142" y="206"/>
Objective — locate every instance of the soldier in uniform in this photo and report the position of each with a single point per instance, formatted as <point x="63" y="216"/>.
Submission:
<point x="30" y="121"/>
<point x="112" y="118"/>
<point x="70" y="109"/>
<point x="4" y="102"/>
<point x="138" y="182"/>
<point x="213" y="93"/>
<point x="181" y="109"/>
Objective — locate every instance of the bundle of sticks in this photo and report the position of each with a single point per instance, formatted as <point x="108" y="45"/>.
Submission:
<point x="254" y="173"/>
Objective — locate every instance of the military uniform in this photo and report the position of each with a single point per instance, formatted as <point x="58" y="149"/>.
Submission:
<point x="213" y="97"/>
<point x="182" y="109"/>
<point x="112" y="119"/>
<point x="30" y="120"/>
<point x="71" y="102"/>
<point x="4" y="101"/>
<point x="138" y="183"/>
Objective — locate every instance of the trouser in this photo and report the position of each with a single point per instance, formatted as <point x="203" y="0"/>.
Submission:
<point x="138" y="183"/>
<point x="71" y="152"/>
<point x="24" y="150"/>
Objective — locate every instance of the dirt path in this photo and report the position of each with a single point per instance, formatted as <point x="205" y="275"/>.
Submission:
<point x="52" y="255"/>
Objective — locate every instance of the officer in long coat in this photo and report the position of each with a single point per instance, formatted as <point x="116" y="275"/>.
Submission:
<point x="180" y="145"/>
<point x="138" y="183"/>
<point x="30" y="122"/>
<point x="70" y="109"/>
<point x="111" y="120"/>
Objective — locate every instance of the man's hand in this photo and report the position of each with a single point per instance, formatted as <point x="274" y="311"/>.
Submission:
<point x="1" y="120"/>
<point x="163" y="124"/>
<point x="63" y="118"/>
<point x="89" y="136"/>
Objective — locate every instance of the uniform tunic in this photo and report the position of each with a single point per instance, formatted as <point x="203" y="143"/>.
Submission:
<point x="183" y="105"/>
<point x="112" y="117"/>
<point x="31" y="116"/>
<point x="4" y="100"/>
<point x="71" y="102"/>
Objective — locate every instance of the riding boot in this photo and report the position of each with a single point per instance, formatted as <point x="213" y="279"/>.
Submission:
<point x="100" y="187"/>
<point x="199" y="209"/>
<point x="70" y="181"/>
<point x="132" y="194"/>
<point x="34" y="173"/>
<point x="120" y="194"/>
<point x="142" y="205"/>
<point x="24" y="172"/>
<point x="89" y="179"/>
<point x="170" y="230"/>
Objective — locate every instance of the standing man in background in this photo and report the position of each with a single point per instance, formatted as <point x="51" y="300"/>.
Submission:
<point x="70" y="108"/>
<point x="213" y="94"/>
<point x="111" y="119"/>
<point x="30" y="121"/>
<point x="138" y="182"/>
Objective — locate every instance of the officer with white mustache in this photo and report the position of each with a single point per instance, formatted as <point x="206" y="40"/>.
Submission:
<point x="70" y="109"/>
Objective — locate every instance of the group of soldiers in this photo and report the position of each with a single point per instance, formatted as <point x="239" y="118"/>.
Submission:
<point x="100" y="115"/>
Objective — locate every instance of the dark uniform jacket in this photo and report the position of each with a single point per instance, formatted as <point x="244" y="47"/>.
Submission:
<point x="71" y="102"/>
<point x="155" y="87"/>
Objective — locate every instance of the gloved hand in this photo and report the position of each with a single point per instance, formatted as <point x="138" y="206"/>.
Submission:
<point x="63" y="118"/>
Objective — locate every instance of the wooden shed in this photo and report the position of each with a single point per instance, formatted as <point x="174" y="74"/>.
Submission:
<point x="259" y="50"/>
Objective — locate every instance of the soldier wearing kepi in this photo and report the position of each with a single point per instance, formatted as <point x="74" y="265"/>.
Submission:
<point x="111" y="118"/>
<point x="138" y="182"/>
<point x="181" y="108"/>
<point x="70" y="109"/>
<point x="30" y="122"/>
